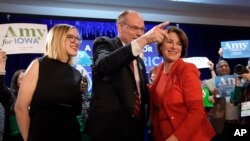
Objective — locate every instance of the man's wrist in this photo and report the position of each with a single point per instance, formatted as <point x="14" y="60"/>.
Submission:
<point x="136" y="49"/>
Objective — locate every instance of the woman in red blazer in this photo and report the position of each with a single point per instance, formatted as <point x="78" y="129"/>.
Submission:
<point x="176" y="96"/>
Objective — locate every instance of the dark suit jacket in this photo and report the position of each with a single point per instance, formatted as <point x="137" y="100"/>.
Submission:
<point x="114" y="88"/>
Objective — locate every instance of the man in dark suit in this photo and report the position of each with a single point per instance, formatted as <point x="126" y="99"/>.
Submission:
<point x="119" y="78"/>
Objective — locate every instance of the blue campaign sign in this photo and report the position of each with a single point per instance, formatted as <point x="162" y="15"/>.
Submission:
<point x="225" y="85"/>
<point x="151" y="57"/>
<point x="236" y="49"/>
<point x="84" y="58"/>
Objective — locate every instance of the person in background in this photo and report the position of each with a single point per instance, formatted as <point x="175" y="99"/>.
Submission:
<point x="152" y="74"/>
<point x="14" y="87"/>
<point x="5" y="101"/>
<point x="85" y="98"/>
<point x="217" y="113"/>
<point x="86" y="88"/>
<point x="11" y="127"/>
<point x="120" y="97"/>
<point x="49" y="97"/>
<point x="246" y="75"/>
<point x="208" y="97"/>
<point x="2" y="121"/>
<point x="177" y="109"/>
<point x="223" y="116"/>
<point x="85" y="106"/>
<point x="86" y="83"/>
<point x="242" y="94"/>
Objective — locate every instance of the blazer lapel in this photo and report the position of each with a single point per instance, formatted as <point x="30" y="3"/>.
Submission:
<point x="117" y="42"/>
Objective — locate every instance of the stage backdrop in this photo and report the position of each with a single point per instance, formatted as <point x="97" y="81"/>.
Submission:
<point x="204" y="40"/>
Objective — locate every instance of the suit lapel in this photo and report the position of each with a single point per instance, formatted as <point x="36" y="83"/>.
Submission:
<point x="117" y="42"/>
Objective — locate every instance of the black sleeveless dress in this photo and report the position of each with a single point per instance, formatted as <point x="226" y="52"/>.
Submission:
<point x="56" y="103"/>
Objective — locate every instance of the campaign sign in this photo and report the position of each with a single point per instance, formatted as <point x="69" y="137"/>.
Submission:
<point x="151" y="57"/>
<point x="236" y="49"/>
<point x="21" y="38"/>
<point x="84" y="56"/>
<point x="199" y="62"/>
<point x="225" y="85"/>
<point x="206" y="95"/>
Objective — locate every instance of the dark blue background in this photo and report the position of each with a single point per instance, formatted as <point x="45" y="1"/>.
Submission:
<point x="204" y="40"/>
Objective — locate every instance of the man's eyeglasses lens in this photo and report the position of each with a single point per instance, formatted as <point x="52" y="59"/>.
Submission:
<point x="133" y="27"/>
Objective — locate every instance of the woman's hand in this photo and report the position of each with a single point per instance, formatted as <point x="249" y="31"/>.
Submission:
<point x="211" y="99"/>
<point x="172" y="138"/>
<point x="3" y="58"/>
<point x="246" y="75"/>
<point x="215" y="93"/>
<point x="211" y="65"/>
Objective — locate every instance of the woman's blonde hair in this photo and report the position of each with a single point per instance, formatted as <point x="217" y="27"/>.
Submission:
<point x="55" y="44"/>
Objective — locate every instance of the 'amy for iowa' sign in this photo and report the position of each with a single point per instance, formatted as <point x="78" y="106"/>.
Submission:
<point x="236" y="49"/>
<point x="23" y="38"/>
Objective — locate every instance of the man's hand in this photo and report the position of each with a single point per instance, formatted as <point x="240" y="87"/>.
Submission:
<point x="156" y="34"/>
<point x="3" y="58"/>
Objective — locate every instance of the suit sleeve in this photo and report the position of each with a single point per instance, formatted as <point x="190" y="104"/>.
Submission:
<point x="109" y="57"/>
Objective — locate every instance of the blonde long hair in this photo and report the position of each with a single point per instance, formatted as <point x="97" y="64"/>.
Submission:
<point x="55" y="44"/>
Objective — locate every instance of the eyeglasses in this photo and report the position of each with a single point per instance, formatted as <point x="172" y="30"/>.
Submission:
<point x="73" y="38"/>
<point x="135" y="28"/>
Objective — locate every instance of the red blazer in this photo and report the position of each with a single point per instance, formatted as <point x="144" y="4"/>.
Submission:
<point x="177" y="105"/>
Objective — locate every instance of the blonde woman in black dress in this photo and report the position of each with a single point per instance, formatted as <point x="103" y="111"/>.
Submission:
<point x="49" y="97"/>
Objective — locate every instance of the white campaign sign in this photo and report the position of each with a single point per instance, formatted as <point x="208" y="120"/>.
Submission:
<point x="199" y="62"/>
<point x="19" y="38"/>
<point x="245" y="109"/>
